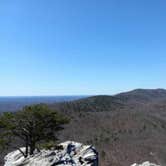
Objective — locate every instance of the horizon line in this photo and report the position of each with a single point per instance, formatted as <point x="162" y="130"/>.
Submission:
<point x="77" y="95"/>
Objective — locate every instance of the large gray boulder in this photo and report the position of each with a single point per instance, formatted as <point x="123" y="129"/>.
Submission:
<point x="72" y="154"/>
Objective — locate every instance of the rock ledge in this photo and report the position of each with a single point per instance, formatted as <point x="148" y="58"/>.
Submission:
<point x="72" y="154"/>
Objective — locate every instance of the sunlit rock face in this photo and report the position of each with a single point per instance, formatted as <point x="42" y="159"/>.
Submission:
<point x="72" y="154"/>
<point x="147" y="163"/>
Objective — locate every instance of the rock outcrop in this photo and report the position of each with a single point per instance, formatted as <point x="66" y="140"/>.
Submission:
<point x="147" y="163"/>
<point x="70" y="154"/>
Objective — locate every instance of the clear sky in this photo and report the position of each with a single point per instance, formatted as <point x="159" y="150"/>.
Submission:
<point x="72" y="47"/>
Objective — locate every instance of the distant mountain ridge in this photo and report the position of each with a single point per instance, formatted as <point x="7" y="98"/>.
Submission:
<point x="94" y="103"/>
<point x="143" y="95"/>
<point x="121" y="101"/>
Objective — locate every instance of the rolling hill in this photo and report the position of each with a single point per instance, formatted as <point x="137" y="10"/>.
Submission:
<point x="126" y="128"/>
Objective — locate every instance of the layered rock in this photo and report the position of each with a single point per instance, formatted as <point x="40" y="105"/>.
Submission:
<point x="71" y="154"/>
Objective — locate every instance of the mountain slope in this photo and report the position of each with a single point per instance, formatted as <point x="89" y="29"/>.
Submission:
<point x="139" y="99"/>
<point x="95" y="103"/>
<point x="142" y="96"/>
<point x="125" y="128"/>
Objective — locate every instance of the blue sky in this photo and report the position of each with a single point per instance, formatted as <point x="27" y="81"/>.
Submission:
<point x="73" y="47"/>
